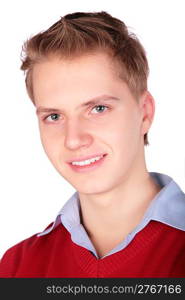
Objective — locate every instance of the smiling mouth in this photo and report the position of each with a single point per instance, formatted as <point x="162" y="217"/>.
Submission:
<point x="86" y="158"/>
<point x="88" y="166"/>
<point x="88" y="161"/>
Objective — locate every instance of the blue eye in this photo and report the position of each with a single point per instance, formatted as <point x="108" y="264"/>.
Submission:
<point x="53" y="119"/>
<point x="100" y="106"/>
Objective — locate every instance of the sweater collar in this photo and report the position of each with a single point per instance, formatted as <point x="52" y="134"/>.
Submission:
<point x="168" y="207"/>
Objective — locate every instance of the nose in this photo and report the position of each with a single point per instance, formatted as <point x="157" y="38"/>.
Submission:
<point x="77" y="135"/>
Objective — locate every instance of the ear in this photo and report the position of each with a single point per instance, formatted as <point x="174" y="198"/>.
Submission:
<point x="147" y="107"/>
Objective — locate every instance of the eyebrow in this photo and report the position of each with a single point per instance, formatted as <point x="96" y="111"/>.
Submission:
<point x="93" y="101"/>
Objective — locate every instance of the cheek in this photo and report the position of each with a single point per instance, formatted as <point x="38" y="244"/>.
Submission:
<point x="121" y="130"/>
<point x="50" y="141"/>
<point x="124" y="138"/>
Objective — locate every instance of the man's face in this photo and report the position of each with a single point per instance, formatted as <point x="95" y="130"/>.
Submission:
<point x="112" y="125"/>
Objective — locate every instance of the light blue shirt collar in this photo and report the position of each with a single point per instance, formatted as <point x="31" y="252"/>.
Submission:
<point x="168" y="207"/>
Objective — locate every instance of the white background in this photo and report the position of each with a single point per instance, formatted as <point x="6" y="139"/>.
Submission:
<point x="31" y="190"/>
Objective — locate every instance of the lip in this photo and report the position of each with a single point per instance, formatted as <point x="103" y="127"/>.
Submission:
<point x="90" y="167"/>
<point x="85" y="158"/>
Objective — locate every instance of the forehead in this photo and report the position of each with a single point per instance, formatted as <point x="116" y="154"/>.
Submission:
<point x="87" y="65"/>
<point x="84" y="77"/>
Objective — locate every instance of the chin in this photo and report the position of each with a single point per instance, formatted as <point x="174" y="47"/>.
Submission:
<point x="91" y="189"/>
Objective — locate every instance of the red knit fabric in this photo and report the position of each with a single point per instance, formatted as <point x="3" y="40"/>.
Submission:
<point x="156" y="251"/>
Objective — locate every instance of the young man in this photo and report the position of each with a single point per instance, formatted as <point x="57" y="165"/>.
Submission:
<point x="87" y="77"/>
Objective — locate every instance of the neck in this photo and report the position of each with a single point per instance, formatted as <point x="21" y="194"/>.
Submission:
<point x="110" y="217"/>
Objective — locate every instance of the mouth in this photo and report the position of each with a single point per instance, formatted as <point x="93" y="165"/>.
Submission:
<point x="92" y="165"/>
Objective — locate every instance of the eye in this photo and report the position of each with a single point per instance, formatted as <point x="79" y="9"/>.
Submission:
<point x="53" y="117"/>
<point x="100" y="106"/>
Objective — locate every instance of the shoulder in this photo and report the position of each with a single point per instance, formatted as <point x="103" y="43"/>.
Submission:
<point x="13" y="256"/>
<point x="23" y="250"/>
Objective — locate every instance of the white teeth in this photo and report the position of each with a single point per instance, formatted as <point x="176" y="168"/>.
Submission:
<point x="87" y="162"/>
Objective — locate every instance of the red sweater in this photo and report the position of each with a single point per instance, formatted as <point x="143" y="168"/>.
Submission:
<point x="156" y="251"/>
